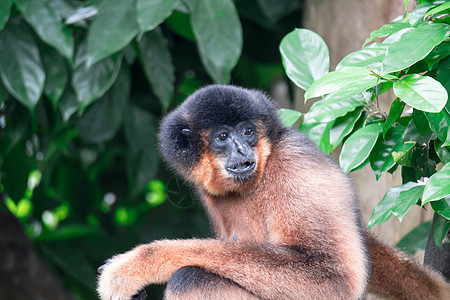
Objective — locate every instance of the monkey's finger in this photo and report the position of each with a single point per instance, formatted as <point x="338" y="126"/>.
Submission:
<point x="142" y="295"/>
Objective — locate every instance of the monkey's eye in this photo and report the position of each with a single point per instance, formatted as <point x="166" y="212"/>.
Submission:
<point x="222" y="136"/>
<point x="248" y="131"/>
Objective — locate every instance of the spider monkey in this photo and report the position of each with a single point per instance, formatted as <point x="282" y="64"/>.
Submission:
<point x="285" y="216"/>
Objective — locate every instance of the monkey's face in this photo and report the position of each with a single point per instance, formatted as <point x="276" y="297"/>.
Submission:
<point x="235" y="146"/>
<point x="220" y="138"/>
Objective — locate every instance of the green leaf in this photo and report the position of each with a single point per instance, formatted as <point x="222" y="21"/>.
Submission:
<point x="438" y="186"/>
<point x="48" y="25"/>
<point x="288" y="116"/>
<point x="305" y="57"/>
<point x="57" y="76"/>
<point x="439" y="53"/>
<point x="112" y="29"/>
<point x="442" y="152"/>
<point x="406" y="51"/>
<point x="416" y="239"/>
<point x="68" y="104"/>
<point x="151" y="13"/>
<point x="348" y="80"/>
<point x="342" y="126"/>
<point x="3" y="92"/>
<point x="412" y="134"/>
<point x="381" y="159"/>
<point x="5" y="10"/>
<point x="396" y="202"/>
<point x="157" y="62"/>
<point x="101" y="120"/>
<point x="421" y="122"/>
<point x="395" y="112"/>
<point x="90" y="83"/>
<point x="218" y="33"/>
<point x="20" y="64"/>
<point x="386" y="30"/>
<point x="439" y="124"/>
<point x="421" y="92"/>
<point x="443" y="76"/>
<point x="319" y="133"/>
<point x="438" y="9"/>
<point x="440" y="229"/>
<point x="333" y="106"/>
<point x="358" y="146"/>
<point x="369" y="57"/>
<point x="442" y="207"/>
<point x="419" y="12"/>
<point x="402" y="155"/>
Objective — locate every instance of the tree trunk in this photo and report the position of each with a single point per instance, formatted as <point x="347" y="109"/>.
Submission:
<point x="23" y="275"/>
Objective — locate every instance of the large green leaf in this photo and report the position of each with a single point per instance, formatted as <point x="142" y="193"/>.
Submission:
<point x="396" y="202"/>
<point x="358" y="146"/>
<point x="56" y="75"/>
<point x="158" y="68"/>
<point x="386" y="30"/>
<point x="438" y="186"/>
<point x="406" y="51"/>
<point x="440" y="124"/>
<point x="421" y="92"/>
<point x="288" y="116"/>
<point x="442" y="207"/>
<point x="395" y="112"/>
<point x="90" y="83"/>
<point x="369" y="57"/>
<point x="218" y="32"/>
<point x="443" y="76"/>
<point x="5" y="10"/>
<point x="20" y="64"/>
<point x="381" y="159"/>
<point x="342" y="126"/>
<point x="48" y="25"/>
<point x="150" y="13"/>
<point x="305" y="57"/>
<point x="348" y="80"/>
<point x="112" y="29"/>
<point x="333" y="106"/>
<point x="102" y="119"/>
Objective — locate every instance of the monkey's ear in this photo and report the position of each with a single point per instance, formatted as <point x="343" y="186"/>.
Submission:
<point x="179" y="144"/>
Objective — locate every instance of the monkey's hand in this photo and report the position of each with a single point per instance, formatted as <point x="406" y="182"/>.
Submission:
<point x="123" y="275"/>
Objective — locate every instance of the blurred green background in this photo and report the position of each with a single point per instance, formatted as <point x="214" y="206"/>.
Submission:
<point x="83" y="87"/>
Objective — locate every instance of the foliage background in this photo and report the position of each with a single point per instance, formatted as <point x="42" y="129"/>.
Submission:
<point x="83" y="87"/>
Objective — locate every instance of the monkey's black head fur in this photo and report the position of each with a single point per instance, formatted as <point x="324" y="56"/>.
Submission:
<point x="212" y="106"/>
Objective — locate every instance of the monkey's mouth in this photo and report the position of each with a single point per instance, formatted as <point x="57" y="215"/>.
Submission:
<point x="242" y="167"/>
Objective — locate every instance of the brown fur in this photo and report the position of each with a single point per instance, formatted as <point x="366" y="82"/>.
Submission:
<point x="395" y="275"/>
<point x="287" y="233"/>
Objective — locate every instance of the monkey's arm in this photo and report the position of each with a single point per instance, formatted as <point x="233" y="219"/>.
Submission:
<point x="272" y="272"/>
